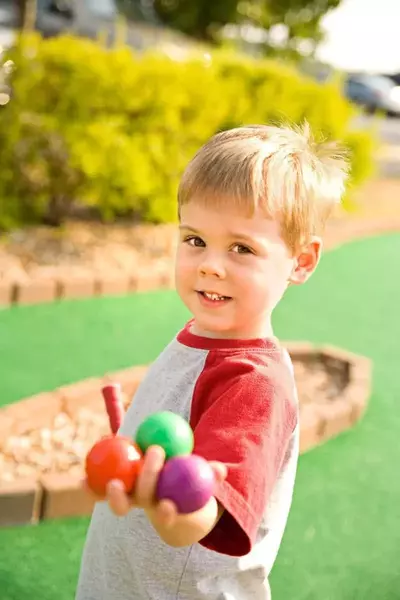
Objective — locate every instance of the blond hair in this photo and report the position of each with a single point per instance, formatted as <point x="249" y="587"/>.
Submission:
<point x="281" y="170"/>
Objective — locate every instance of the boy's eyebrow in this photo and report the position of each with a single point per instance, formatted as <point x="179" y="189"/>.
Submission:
<point x="242" y="236"/>
<point x="231" y="234"/>
<point x="188" y="228"/>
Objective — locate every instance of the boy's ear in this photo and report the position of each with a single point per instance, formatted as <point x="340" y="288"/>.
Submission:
<point x="306" y="262"/>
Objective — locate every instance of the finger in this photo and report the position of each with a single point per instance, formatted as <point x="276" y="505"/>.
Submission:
<point x="118" y="500"/>
<point x="166" y="513"/>
<point x="220" y="470"/>
<point x="145" y="492"/>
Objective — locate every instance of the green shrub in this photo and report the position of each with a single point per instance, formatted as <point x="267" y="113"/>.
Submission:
<point x="92" y="127"/>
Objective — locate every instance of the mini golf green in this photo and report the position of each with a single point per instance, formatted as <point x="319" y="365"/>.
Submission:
<point x="343" y="534"/>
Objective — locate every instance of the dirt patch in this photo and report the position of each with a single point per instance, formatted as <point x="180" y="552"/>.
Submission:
<point x="86" y="245"/>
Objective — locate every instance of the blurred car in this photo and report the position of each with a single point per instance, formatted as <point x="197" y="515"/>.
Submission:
<point x="375" y="93"/>
<point x="93" y="19"/>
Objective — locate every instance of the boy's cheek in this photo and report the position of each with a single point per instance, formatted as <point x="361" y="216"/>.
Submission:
<point x="184" y="268"/>
<point x="183" y="281"/>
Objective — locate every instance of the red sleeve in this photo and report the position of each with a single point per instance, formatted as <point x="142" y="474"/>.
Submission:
<point x="243" y="414"/>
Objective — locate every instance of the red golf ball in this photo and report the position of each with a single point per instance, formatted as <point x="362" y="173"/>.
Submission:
<point x="188" y="481"/>
<point x="113" y="457"/>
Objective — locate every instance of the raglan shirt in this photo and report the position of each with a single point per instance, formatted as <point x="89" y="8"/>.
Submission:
<point x="240" y="399"/>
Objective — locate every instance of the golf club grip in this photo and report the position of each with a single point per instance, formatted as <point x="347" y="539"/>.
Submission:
<point x="113" y="401"/>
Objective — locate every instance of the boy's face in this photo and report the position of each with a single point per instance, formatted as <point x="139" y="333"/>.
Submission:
<point x="232" y="270"/>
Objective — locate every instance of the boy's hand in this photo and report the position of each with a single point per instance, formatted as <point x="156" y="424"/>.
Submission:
<point x="164" y="512"/>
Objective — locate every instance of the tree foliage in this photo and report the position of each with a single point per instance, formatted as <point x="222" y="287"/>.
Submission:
<point x="202" y="19"/>
<point x="301" y="18"/>
<point x="199" y="18"/>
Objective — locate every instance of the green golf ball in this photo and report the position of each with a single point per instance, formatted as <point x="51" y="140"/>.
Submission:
<point x="168" y="430"/>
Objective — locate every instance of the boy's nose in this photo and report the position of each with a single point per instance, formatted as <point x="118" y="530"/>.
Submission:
<point x="212" y="267"/>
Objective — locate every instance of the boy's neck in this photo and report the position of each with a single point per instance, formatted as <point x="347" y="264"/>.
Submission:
<point x="259" y="332"/>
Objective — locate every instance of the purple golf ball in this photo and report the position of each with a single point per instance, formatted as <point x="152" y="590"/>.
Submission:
<point x="188" y="481"/>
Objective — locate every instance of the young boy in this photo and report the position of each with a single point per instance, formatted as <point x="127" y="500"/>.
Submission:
<point x="252" y="204"/>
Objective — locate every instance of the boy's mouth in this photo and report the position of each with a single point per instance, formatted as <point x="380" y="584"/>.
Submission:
<point x="213" y="296"/>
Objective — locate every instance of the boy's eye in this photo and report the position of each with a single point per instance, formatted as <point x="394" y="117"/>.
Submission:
<point x="194" y="240"/>
<point x="241" y="249"/>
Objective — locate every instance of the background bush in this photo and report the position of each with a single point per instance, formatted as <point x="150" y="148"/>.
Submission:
<point x="93" y="127"/>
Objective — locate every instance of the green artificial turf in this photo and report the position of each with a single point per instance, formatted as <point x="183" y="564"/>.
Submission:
<point x="48" y="345"/>
<point x="343" y="536"/>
